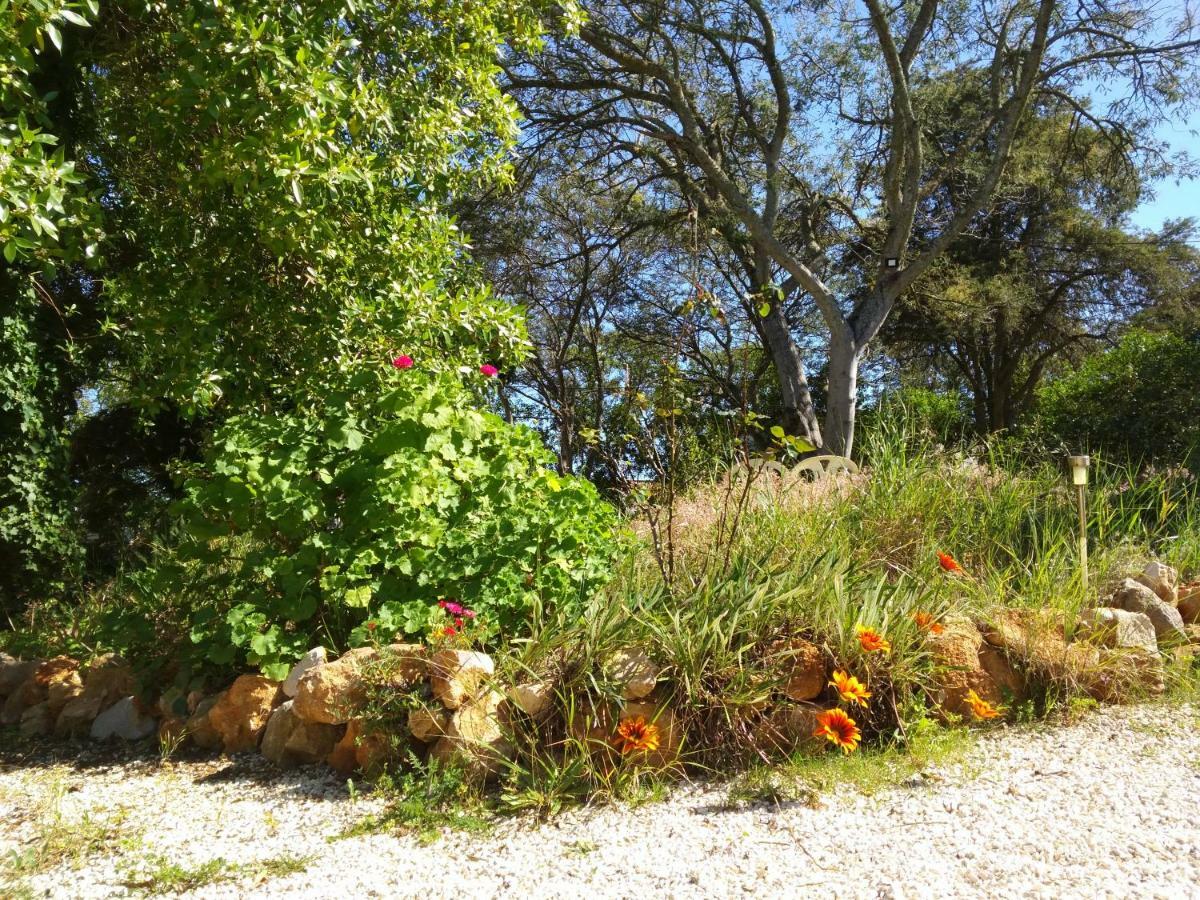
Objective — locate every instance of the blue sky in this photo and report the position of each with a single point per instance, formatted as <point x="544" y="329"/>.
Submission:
<point x="1174" y="201"/>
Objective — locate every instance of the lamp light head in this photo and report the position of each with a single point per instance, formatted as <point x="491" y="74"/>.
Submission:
<point x="1079" y="469"/>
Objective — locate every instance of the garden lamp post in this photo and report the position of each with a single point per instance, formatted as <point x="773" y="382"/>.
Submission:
<point x="1079" y="477"/>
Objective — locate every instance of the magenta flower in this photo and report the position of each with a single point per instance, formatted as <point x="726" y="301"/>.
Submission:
<point x="452" y="608"/>
<point x="403" y="362"/>
<point x="489" y="370"/>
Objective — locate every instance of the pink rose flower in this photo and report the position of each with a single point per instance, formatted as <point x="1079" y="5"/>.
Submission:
<point x="403" y="362"/>
<point x="489" y="370"/>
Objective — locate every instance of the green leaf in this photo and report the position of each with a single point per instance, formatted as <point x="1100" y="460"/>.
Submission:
<point x="778" y="432"/>
<point x="358" y="597"/>
<point x="764" y="310"/>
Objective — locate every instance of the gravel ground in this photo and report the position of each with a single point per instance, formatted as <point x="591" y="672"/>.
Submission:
<point x="1107" y="807"/>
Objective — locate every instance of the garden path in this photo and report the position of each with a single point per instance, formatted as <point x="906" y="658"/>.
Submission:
<point x="1107" y="806"/>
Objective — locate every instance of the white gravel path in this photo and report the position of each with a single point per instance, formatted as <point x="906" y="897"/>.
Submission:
<point x="1107" y="807"/>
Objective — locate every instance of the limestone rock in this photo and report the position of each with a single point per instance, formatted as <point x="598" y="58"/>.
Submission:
<point x="1161" y="579"/>
<point x="1189" y="602"/>
<point x="107" y="679"/>
<point x="14" y="671"/>
<point x="635" y="671"/>
<point x="457" y="675"/>
<point x="126" y="720"/>
<point x="1118" y="628"/>
<point x="1136" y="597"/>
<point x="800" y="666"/>
<point x="535" y="699"/>
<point x="199" y="728"/>
<point x="344" y="755"/>
<point x="37" y="721"/>
<point x="1008" y="678"/>
<point x="428" y="724"/>
<point x="77" y="716"/>
<point x="310" y="660"/>
<point x="786" y="727"/>
<point x="62" y="687"/>
<point x="476" y="738"/>
<point x="241" y="714"/>
<point x="36" y="688"/>
<point x="956" y="652"/>
<point x="25" y="695"/>
<point x="334" y="692"/>
<point x="289" y="740"/>
<point x="1127" y="674"/>
<point x="598" y="729"/>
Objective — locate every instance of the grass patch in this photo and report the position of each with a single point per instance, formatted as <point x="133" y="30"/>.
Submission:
<point x="427" y="800"/>
<point x="60" y="841"/>
<point x="805" y="778"/>
<point x="158" y="875"/>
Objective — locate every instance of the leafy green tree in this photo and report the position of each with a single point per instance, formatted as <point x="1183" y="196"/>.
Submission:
<point x="1136" y="401"/>
<point x="272" y="180"/>
<point x="1050" y="273"/>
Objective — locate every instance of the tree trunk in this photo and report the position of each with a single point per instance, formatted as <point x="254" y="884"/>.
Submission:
<point x="844" y="357"/>
<point x="799" y="417"/>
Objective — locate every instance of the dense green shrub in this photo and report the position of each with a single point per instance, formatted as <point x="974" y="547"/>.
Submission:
<point x="1137" y="400"/>
<point x="349" y="523"/>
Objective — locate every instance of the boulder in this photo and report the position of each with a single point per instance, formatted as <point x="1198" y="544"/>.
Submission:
<point x="344" y="755"/>
<point x="457" y="675"/>
<point x="289" y="740"/>
<point x="1117" y="628"/>
<point x="800" y="668"/>
<point x="126" y="720"/>
<point x="476" y="738"/>
<point x="535" y="699"/>
<point x="334" y="692"/>
<point x="1127" y="674"/>
<point x="310" y="660"/>
<point x="14" y="671"/>
<point x="1189" y="603"/>
<point x="199" y="728"/>
<point x="36" y="688"/>
<point x="956" y="653"/>
<point x="77" y="716"/>
<point x="62" y="687"/>
<point x="108" y="678"/>
<point x="1035" y="638"/>
<point x="597" y="728"/>
<point x="37" y="720"/>
<point x="428" y="724"/>
<point x="786" y="727"/>
<point x="1007" y="677"/>
<point x="241" y="714"/>
<point x="1134" y="596"/>
<point x="1161" y="579"/>
<point x="636" y="672"/>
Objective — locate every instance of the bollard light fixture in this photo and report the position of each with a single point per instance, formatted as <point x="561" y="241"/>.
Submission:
<point x="1079" y="466"/>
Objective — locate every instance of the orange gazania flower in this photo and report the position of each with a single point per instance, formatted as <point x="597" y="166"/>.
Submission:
<point x="949" y="563"/>
<point x="850" y="689"/>
<point x="838" y="728"/>
<point x="637" y="734"/>
<point x="980" y="708"/>
<point x="871" y="640"/>
<point x="926" y="622"/>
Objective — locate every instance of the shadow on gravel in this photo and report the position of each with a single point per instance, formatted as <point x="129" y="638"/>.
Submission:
<point x="145" y="758"/>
